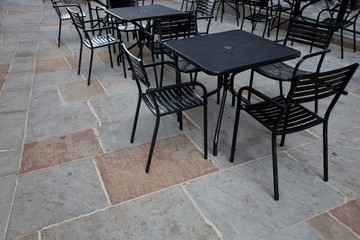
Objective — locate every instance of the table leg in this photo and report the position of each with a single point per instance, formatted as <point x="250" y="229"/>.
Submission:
<point x="225" y="86"/>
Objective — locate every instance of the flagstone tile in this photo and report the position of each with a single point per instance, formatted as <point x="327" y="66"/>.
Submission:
<point x="349" y="214"/>
<point x="46" y="97"/>
<point x="14" y="100"/>
<point x="31" y="236"/>
<point x="78" y="91"/>
<point x="4" y="68"/>
<point x="23" y="64"/>
<point x="53" y="195"/>
<point x="322" y="227"/>
<point x="18" y="80"/>
<point x="57" y="150"/>
<point x="12" y="125"/>
<point x="243" y="195"/>
<point x="7" y="186"/>
<point x="9" y="162"/>
<point x="117" y="135"/>
<point x="52" y="79"/>
<point x="52" y="53"/>
<point x="45" y="123"/>
<point x="51" y="65"/>
<point x="175" y="160"/>
<point x="344" y="164"/>
<point x="168" y="214"/>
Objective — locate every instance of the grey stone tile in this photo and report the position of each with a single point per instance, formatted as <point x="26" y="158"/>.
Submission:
<point x="54" y="195"/>
<point x="344" y="166"/>
<point x="12" y="127"/>
<point x="115" y="108"/>
<point x="322" y="227"/>
<point x="28" y="49"/>
<point x="165" y="215"/>
<point x="56" y="78"/>
<point x="117" y="135"/>
<point x="9" y="162"/>
<point x="23" y="64"/>
<point x="18" y="80"/>
<point x="46" y="97"/>
<point x="7" y="186"/>
<point x="14" y="100"/>
<point x="48" y="122"/>
<point x="117" y="84"/>
<point x="240" y="203"/>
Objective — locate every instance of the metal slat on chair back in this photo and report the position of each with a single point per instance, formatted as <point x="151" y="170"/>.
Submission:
<point x="77" y="19"/>
<point x="121" y="3"/>
<point x="205" y="7"/>
<point x="175" y="27"/>
<point x="137" y="68"/>
<point x="308" y="88"/>
<point x="311" y="34"/>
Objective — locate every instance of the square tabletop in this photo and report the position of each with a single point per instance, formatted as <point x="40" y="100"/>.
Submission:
<point x="140" y="13"/>
<point x="230" y="52"/>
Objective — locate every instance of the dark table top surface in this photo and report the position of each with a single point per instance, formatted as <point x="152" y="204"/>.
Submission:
<point x="230" y="52"/>
<point x="142" y="12"/>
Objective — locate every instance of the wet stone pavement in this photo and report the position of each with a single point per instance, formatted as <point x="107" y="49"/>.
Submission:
<point x="69" y="171"/>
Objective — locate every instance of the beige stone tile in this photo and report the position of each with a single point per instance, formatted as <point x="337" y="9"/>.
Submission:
<point x="349" y="214"/>
<point x="80" y="91"/>
<point x="175" y="160"/>
<point x="57" y="150"/>
<point x="4" y="68"/>
<point x="51" y="65"/>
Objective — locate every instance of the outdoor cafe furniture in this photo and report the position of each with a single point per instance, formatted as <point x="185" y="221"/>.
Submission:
<point x="304" y="33"/>
<point x="287" y="114"/>
<point x="60" y="9"/>
<point x="142" y="14"/>
<point x="221" y="54"/>
<point x="342" y="17"/>
<point x="88" y="38"/>
<point x="163" y="101"/>
<point x="262" y="11"/>
<point x="168" y="28"/>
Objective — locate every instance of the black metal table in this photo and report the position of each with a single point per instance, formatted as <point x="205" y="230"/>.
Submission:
<point x="142" y="13"/>
<point x="225" y="53"/>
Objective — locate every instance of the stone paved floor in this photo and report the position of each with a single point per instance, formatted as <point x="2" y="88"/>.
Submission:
<point x="68" y="171"/>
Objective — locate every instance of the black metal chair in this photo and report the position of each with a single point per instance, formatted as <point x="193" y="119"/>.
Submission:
<point x="233" y="4"/>
<point x="264" y="11"/>
<point x="342" y="17"/>
<point x="60" y="9"/>
<point x="165" y="100"/>
<point x="306" y="33"/>
<point x="205" y="12"/>
<point x="284" y="115"/>
<point x="90" y="39"/>
<point x="168" y="28"/>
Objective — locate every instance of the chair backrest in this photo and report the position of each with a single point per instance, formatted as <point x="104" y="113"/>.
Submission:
<point x="78" y="22"/>
<point x="175" y="27"/>
<point x="309" y="33"/>
<point x="316" y="86"/>
<point x="121" y="3"/>
<point x="205" y="11"/>
<point x="137" y="68"/>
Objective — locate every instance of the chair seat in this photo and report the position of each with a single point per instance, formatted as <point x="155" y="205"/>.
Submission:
<point x="186" y="67"/>
<point x="258" y="17"/>
<point x="279" y="71"/>
<point x="99" y="41"/>
<point x="66" y="16"/>
<point x="299" y="117"/>
<point x="172" y="100"/>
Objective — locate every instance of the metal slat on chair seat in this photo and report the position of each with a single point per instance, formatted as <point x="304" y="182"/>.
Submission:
<point x="279" y="71"/>
<point x="298" y="117"/>
<point x="101" y="40"/>
<point x="172" y="100"/>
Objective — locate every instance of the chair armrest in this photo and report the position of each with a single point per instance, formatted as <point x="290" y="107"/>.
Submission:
<point x="180" y="85"/>
<point x="259" y="95"/>
<point x="97" y="29"/>
<point x="311" y="55"/>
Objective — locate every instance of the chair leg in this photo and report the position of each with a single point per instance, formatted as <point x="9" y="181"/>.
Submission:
<point x="342" y="43"/>
<point x="111" y="61"/>
<point x="275" y="168"/>
<point x="152" y="144"/>
<point x="325" y="149"/>
<point x="236" y="127"/>
<point x="135" y="119"/>
<point x="205" y="130"/>
<point x="59" y="33"/>
<point x="80" y="57"/>
<point x="90" y="66"/>
<point x="251" y="83"/>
